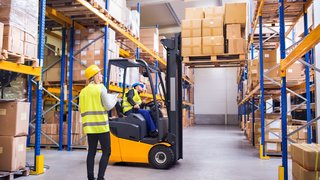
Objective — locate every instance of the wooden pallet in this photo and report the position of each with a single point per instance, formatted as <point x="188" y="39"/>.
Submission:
<point x="4" y="175"/>
<point x="217" y="57"/>
<point x="218" y="61"/>
<point x="18" y="58"/>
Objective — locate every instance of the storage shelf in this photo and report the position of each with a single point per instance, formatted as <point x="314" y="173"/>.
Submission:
<point x="185" y="78"/>
<point x="187" y="103"/>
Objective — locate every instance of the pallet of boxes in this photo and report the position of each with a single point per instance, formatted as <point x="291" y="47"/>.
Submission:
<point x="214" y="33"/>
<point x="19" y="24"/>
<point x="305" y="161"/>
<point x="14" y="124"/>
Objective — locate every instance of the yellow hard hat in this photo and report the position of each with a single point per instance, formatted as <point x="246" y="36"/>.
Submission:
<point x="91" y="71"/>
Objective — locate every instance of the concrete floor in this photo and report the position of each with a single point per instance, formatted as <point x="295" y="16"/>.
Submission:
<point x="210" y="153"/>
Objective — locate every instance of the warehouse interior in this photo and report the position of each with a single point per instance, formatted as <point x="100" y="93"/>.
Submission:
<point x="231" y="86"/>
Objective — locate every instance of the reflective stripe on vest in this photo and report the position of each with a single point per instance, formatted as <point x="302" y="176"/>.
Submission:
<point x="93" y="113"/>
<point x="126" y="105"/>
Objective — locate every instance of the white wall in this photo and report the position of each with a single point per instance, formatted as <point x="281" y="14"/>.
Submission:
<point x="216" y="92"/>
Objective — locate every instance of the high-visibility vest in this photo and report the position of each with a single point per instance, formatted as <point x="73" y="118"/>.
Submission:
<point x="94" y="115"/>
<point x="126" y="105"/>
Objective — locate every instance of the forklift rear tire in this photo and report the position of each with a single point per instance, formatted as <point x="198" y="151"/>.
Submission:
<point x="161" y="157"/>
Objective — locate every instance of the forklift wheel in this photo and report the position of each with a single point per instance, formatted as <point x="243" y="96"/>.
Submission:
<point x="161" y="157"/>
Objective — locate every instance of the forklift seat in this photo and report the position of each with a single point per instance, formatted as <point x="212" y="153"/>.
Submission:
<point x="134" y="127"/>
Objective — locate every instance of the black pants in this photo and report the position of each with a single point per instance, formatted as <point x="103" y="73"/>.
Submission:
<point x="104" y="139"/>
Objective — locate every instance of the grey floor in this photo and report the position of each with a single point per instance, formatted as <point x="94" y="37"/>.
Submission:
<point x="210" y="152"/>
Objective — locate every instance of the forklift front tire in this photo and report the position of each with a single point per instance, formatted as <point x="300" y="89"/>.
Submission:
<point x="161" y="157"/>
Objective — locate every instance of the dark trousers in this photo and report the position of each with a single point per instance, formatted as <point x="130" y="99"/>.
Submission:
<point x="104" y="139"/>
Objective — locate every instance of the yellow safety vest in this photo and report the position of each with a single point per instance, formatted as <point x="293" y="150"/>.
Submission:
<point x="126" y="105"/>
<point x="93" y="113"/>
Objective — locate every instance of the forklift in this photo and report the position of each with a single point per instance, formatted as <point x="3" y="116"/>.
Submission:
<point x="130" y="143"/>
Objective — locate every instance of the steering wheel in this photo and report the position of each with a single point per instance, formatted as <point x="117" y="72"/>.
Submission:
<point x="151" y="104"/>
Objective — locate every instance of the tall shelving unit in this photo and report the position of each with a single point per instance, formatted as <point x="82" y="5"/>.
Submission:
<point x="289" y="14"/>
<point x="66" y="21"/>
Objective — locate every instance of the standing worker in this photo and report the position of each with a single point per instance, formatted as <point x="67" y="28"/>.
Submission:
<point x="95" y="102"/>
<point x="131" y="104"/>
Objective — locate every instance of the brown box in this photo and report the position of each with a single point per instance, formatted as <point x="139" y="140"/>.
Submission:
<point x="12" y="153"/>
<point x="52" y="117"/>
<point x="13" y="39"/>
<point x="295" y="71"/>
<point x="235" y="13"/>
<point x="191" y="46"/>
<point x="14" y="118"/>
<point x="302" y="134"/>
<point x="236" y="46"/>
<point x="52" y="129"/>
<point x="298" y="172"/>
<point x="212" y="12"/>
<point x="1" y="35"/>
<point x="273" y="124"/>
<point x="78" y="75"/>
<point x="191" y="28"/>
<point x="272" y="147"/>
<point x="270" y="56"/>
<point x="212" y="45"/>
<point x="53" y="74"/>
<point x="306" y="155"/>
<point x="233" y="31"/>
<point x="194" y="13"/>
<point x="291" y="129"/>
<point x="212" y="27"/>
<point x="273" y="135"/>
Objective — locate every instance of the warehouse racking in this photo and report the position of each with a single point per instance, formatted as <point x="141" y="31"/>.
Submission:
<point x="265" y="17"/>
<point x="69" y="16"/>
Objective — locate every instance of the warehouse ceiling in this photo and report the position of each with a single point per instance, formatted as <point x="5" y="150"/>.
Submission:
<point x="167" y="13"/>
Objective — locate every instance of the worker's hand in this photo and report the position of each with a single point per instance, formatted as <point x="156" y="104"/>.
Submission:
<point x="136" y="106"/>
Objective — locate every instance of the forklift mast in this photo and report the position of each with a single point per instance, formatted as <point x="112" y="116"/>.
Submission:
<point x="174" y="91"/>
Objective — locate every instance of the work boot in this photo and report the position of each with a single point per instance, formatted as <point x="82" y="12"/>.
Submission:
<point x="154" y="133"/>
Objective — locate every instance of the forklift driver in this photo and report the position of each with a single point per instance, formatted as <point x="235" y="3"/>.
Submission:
<point x="131" y="104"/>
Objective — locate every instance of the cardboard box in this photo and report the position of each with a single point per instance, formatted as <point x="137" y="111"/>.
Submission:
<point x="273" y="135"/>
<point x="53" y="74"/>
<point x="78" y="75"/>
<point x="302" y="134"/>
<point x="51" y="129"/>
<point x="233" y="31"/>
<point x="212" y="27"/>
<point x="298" y="172"/>
<point x="30" y="49"/>
<point x="235" y="13"/>
<point x="1" y="35"/>
<point x="236" y="46"/>
<point x="191" y="28"/>
<point x="52" y="117"/>
<point x="296" y="71"/>
<point x="12" y="153"/>
<point x="13" y="39"/>
<point x="291" y="129"/>
<point x="191" y="46"/>
<point x="212" y="45"/>
<point x="194" y="13"/>
<point x="14" y="118"/>
<point x="273" y="124"/>
<point x="212" y="12"/>
<point x="272" y="147"/>
<point x="306" y="155"/>
<point x="270" y="56"/>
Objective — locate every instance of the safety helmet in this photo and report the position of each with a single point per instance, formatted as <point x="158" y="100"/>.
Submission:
<point x="91" y="71"/>
<point x="136" y="84"/>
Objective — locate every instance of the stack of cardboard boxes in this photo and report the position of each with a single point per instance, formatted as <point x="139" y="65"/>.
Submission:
<point x="20" y="19"/>
<point x="78" y="137"/>
<point x="305" y="161"/>
<point x="294" y="72"/>
<point x="93" y="54"/>
<point x="214" y="30"/>
<point x="118" y="9"/>
<point x="14" y="123"/>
